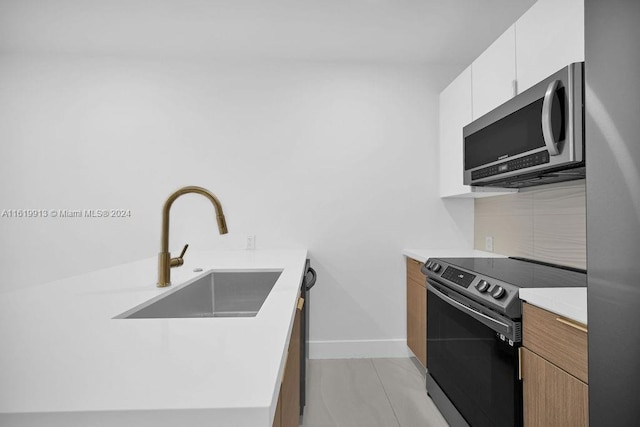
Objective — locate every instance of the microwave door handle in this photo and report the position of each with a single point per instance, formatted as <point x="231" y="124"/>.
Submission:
<point x="547" y="131"/>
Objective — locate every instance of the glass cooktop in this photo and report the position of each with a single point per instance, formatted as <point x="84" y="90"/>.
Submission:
<point x="522" y="273"/>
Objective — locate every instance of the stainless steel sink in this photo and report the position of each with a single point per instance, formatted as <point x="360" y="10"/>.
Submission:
<point x="215" y="294"/>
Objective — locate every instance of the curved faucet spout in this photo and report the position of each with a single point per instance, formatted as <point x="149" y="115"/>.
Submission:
<point x="165" y="262"/>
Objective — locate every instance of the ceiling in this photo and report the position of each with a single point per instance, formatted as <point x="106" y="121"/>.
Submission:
<point x="415" y="31"/>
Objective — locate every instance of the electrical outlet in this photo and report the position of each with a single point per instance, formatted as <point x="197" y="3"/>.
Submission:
<point x="251" y="242"/>
<point x="488" y="243"/>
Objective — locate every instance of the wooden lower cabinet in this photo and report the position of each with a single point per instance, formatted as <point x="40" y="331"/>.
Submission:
<point x="277" y="418"/>
<point x="288" y="409"/>
<point x="557" y="339"/>
<point x="416" y="311"/>
<point x="552" y="397"/>
<point x="554" y="370"/>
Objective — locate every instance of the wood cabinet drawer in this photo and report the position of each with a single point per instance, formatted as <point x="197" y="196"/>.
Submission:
<point x="561" y="341"/>
<point x="414" y="273"/>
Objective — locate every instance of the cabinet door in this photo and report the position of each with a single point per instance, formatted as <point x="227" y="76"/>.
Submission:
<point x="493" y="74"/>
<point x="277" y="418"/>
<point x="290" y="394"/>
<point x="288" y="407"/>
<point x="549" y="36"/>
<point x="417" y="320"/>
<point x="455" y="113"/>
<point x="551" y="396"/>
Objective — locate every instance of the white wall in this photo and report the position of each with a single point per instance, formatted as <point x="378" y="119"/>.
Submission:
<point x="335" y="157"/>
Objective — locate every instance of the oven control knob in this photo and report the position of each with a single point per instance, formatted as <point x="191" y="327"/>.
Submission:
<point x="435" y="267"/>
<point x="498" y="292"/>
<point x="482" y="286"/>
<point x="428" y="265"/>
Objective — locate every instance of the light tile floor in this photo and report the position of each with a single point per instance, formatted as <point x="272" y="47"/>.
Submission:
<point x="368" y="393"/>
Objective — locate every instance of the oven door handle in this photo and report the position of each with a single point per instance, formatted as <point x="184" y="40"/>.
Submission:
<point x="494" y="324"/>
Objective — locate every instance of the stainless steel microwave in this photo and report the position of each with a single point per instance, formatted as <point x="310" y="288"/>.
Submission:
<point x="535" y="138"/>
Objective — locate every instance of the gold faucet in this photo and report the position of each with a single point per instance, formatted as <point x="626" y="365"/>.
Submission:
<point x="165" y="262"/>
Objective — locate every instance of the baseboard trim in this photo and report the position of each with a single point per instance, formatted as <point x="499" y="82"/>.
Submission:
<point x="356" y="349"/>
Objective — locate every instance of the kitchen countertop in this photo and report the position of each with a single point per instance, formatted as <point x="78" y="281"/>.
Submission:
<point x="423" y="254"/>
<point x="567" y="302"/>
<point x="65" y="360"/>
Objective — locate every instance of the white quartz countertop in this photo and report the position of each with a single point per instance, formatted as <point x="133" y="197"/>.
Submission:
<point x="424" y="254"/>
<point x="567" y="302"/>
<point x="65" y="360"/>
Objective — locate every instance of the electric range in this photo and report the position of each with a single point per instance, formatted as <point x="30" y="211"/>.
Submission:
<point x="495" y="282"/>
<point x="474" y="331"/>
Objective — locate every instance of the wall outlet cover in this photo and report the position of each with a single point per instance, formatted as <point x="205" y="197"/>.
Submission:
<point x="251" y="243"/>
<point x="488" y="243"/>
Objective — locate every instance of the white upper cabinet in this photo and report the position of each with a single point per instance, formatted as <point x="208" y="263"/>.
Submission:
<point x="455" y="113"/>
<point x="549" y="36"/>
<point x="493" y="74"/>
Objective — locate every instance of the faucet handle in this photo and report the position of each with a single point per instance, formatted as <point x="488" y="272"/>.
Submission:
<point x="183" y="250"/>
<point x="177" y="262"/>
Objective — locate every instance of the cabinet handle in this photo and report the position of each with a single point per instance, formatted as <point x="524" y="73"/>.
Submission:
<point x="520" y="363"/>
<point x="300" y="303"/>
<point x="574" y="325"/>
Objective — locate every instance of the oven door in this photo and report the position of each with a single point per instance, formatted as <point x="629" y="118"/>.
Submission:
<point x="475" y="369"/>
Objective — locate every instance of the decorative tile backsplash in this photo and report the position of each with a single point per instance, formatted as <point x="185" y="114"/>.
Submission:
<point x="544" y="223"/>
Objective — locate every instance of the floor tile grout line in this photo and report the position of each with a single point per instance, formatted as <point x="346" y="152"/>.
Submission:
<point x="385" y="392"/>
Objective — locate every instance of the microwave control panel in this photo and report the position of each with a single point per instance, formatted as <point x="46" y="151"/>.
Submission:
<point x="511" y="165"/>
